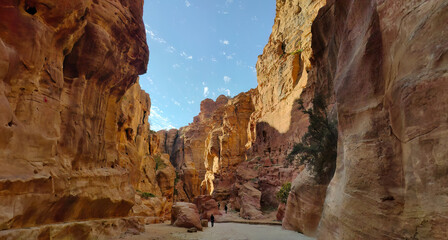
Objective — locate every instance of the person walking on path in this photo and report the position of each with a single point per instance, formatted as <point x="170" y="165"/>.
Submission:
<point x="212" y="219"/>
<point x="219" y="205"/>
<point x="225" y="207"/>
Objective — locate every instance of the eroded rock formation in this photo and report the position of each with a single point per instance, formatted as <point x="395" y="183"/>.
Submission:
<point x="383" y="67"/>
<point x="386" y="61"/>
<point x="75" y="144"/>
<point x="186" y="215"/>
<point x="390" y="76"/>
<point x="74" y="135"/>
<point x="235" y="148"/>
<point x="206" y="206"/>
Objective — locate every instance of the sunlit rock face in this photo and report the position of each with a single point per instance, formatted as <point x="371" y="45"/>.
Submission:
<point x="391" y="81"/>
<point x="282" y="69"/>
<point x="285" y="74"/>
<point x="73" y="122"/>
<point x="235" y="149"/>
<point x="212" y="145"/>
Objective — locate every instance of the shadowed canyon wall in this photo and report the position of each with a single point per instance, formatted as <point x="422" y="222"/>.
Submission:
<point x="75" y="145"/>
<point x="382" y="66"/>
<point x="74" y="135"/>
<point x="390" y="78"/>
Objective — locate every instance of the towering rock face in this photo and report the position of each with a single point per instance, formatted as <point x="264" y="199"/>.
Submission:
<point x="210" y="147"/>
<point x="73" y="122"/>
<point x="282" y="74"/>
<point x="285" y="74"/>
<point x="390" y="73"/>
<point x="236" y="148"/>
<point x="387" y="63"/>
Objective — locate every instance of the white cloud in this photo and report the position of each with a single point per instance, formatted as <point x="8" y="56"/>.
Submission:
<point x="185" y="55"/>
<point x="228" y="56"/>
<point x="225" y="42"/>
<point x="206" y="91"/>
<point x="191" y="102"/>
<point x="227" y="79"/>
<point x="229" y="1"/>
<point x="175" y="102"/>
<point x="187" y="3"/>
<point x="154" y="36"/>
<point x="158" y="121"/>
<point x="213" y="59"/>
<point x="170" y="49"/>
<point x="225" y="91"/>
<point x="150" y="80"/>
<point x="175" y="66"/>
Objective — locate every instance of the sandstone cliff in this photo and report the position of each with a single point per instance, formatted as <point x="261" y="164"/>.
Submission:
<point x="73" y="122"/>
<point x="390" y="75"/>
<point x="214" y="143"/>
<point x="383" y="67"/>
<point x="386" y="62"/>
<point x="284" y="74"/>
<point x="211" y="157"/>
<point x="235" y="148"/>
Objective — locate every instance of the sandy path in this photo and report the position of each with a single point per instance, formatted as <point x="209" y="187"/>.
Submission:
<point x="221" y="231"/>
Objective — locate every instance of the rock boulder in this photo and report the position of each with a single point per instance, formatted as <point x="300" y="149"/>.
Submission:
<point x="185" y="215"/>
<point x="206" y="206"/>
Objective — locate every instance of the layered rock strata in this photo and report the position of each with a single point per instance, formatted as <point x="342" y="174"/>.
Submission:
<point x="235" y="149"/>
<point x="284" y="75"/>
<point x="74" y="135"/>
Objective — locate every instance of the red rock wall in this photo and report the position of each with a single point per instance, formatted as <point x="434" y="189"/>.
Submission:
<point x="390" y="78"/>
<point x="71" y="141"/>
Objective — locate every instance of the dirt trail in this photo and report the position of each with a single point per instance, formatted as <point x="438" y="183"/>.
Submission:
<point x="221" y="231"/>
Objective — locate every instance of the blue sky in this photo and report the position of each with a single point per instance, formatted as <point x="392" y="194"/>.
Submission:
<point x="201" y="49"/>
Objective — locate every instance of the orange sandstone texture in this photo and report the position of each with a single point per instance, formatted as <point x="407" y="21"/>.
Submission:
<point x="390" y="75"/>
<point x="386" y="61"/>
<point x="235" y="149"/>
<point x="74" y="135"/>
<point x="284" y="74"/>
<point x="185" y="215"/>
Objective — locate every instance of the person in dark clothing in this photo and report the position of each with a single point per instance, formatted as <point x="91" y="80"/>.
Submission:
<point x="225" y="208"/>
<point x="212" y="219"/>
<point x="219" y="205"/>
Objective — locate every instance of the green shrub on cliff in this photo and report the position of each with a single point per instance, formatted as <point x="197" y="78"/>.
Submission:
<point x="283" y="193"/>
<point x="145" y="195"/>
<point x="159" y="162"/>
<point x="318" y="149"/>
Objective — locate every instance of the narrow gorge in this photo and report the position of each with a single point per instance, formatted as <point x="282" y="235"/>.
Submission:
<point x="78" y="158"/>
